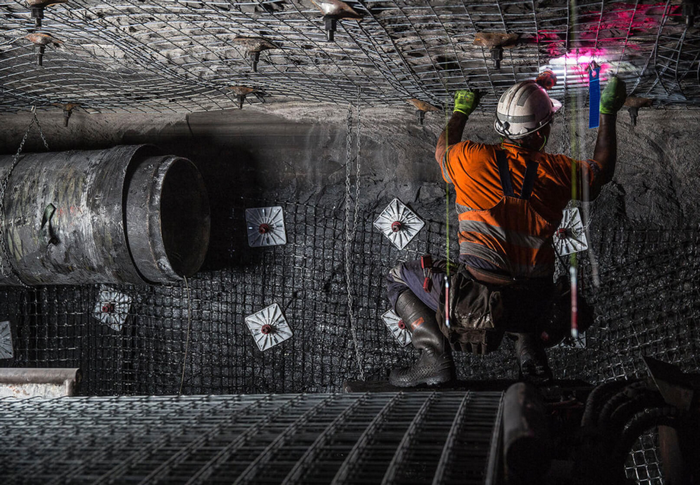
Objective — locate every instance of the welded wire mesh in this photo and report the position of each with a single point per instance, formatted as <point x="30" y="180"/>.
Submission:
<point x="644" y="462"/>
<point x="182" y="56"/>
<point x="647" y="304"/>
<point x="356" y="438"/>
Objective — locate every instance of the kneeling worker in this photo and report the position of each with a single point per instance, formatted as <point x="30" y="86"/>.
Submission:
<point x="509" y="201"/>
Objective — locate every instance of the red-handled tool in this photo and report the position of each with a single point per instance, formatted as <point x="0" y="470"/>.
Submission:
<point x="426" y="262"/>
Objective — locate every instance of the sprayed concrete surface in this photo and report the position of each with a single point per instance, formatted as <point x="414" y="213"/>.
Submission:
<point x="299" y="150"/>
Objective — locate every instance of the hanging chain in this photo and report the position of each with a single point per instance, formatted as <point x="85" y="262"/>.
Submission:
<point x="38" y="125"/>
<point x="357" y="173"/>
<point x="187" y="341"/>
<point x="351" y="229"/>
<point x="3" y="188"/>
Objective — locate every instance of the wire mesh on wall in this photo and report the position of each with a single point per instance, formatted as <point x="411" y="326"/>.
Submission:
<point x="647" y="303"/>
<point x="184" y="56"/>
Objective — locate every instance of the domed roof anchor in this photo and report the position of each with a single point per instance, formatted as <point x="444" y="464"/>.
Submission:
<point x="254" y="46"/>
<point x="633" y="104"/>
<point x="242" y="91"/>
<point x="496" y="42"/>
<point x="67" y="111"/>
<point x="422" y="107"/>
<point x="40" y="42"/>
<point x="334" y="10"/>
<point x="37" y="8"/>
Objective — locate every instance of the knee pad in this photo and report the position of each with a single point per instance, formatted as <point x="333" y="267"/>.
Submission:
<point x="396" y="274"/>
<point x="395" y="284"/>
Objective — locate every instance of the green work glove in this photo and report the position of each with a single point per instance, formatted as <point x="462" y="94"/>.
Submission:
<point x="613" y="96"/>
<point x="465" y="102"/>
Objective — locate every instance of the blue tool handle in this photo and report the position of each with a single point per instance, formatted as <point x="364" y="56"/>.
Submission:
<point x="593" y="96"/>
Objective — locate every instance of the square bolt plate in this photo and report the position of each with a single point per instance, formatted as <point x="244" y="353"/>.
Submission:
<point x="268" y="327"/>
<point x="402" y="335"/>
<point x="112" y="308"/>
<point x="571" y="235"/>
<point x="265" y="227"/>
<point x="6" y="351"/>
<point x="398" y="223"/>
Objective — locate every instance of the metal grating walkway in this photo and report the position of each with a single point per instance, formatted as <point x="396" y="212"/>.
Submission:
<point x="420" y="437"/>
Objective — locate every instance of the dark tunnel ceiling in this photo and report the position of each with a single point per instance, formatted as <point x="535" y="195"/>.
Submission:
<point x="182" y="56"/>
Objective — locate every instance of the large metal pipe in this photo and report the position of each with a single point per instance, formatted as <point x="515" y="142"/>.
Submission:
<point x="525" y="435"/>
<point x="122" y="215"/>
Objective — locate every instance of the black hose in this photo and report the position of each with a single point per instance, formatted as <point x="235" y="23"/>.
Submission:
<point x="622" y="414"/>
<point x="618" y="399"/>
<point x="597" y="397"/>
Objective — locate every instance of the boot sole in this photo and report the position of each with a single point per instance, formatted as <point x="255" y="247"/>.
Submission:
<point x="429" y="382"/>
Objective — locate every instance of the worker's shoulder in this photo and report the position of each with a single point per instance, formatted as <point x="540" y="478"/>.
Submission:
<point x="478" y="145"/>
<point x="474" y="147"/>
<point x="555" y="158"/>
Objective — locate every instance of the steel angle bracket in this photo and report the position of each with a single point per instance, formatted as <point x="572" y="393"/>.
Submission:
<point x="112" y="308"/>
<point x="571" y="235"/>
<point x="268" y="327"/>
<point x="398" y="223"/>
<point x="265" y="227"/>
<point x="6" y="349"/>
<point x="397" y="327"/>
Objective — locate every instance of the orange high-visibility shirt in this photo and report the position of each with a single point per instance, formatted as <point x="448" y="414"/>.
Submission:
<point x="473" y="170"/>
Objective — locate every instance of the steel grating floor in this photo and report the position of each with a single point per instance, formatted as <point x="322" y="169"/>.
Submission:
<point x="420" y="437"/>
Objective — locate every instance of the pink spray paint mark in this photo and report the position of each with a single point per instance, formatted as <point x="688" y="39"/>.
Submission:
<point x="612" y="27"/>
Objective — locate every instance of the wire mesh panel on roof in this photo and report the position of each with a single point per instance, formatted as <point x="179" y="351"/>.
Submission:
<point x="181" y="56"/>
<point x="354" y="438"/>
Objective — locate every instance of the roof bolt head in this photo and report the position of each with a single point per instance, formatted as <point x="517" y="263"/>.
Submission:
<point x="563" y="233"/>
<point x="331" y="26"/>
<point x="497" y="55"/>
<point x="396" y="226"/>
<point x="266" y="329"/>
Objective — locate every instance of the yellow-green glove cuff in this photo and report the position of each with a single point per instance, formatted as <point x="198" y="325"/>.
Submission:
<point x="613" y="96"/>
<point x="465" y="102"/>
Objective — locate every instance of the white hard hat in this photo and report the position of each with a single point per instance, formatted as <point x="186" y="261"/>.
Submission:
<point x="523" y="109"/>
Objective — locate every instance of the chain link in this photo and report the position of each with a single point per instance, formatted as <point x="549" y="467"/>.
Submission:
<point x="187" y="341"/>
<point x="38" y="125"/>
<point x="3" y="188"/>
<point x="350" y="229"/>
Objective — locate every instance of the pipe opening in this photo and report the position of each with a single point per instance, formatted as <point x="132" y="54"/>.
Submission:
<point x="185" y="221"/>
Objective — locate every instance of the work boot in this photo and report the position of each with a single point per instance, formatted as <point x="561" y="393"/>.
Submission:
<point x="532" y="359"/>
<point x="435" y="364"/>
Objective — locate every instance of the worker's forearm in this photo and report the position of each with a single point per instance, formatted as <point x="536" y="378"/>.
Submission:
<point x="455" y="129"/>
<point x="606" y="147"/>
